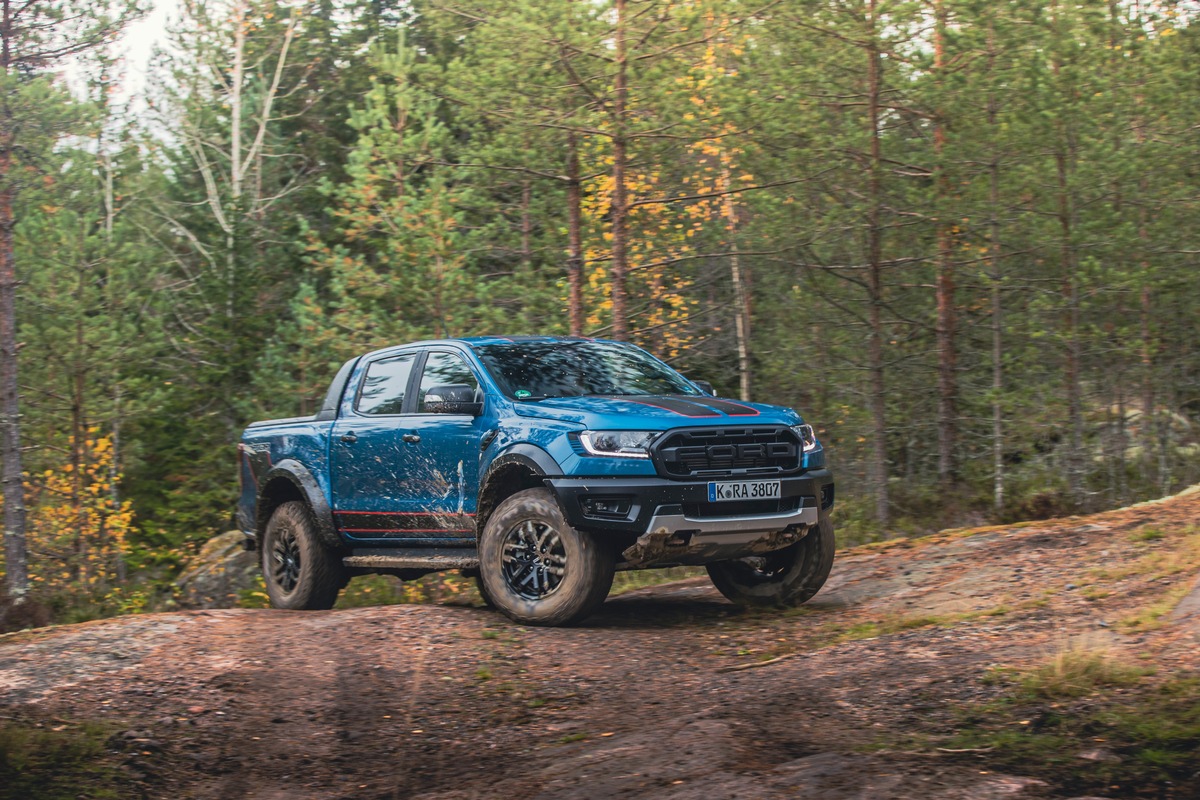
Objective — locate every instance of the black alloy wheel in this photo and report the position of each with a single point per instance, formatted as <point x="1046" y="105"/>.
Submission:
<point x="299" y="570"/>
<point x="536" y="568"/>
<point x="534" y="559"/>
<point x="786" y="577"/>
<point x="286" y="560"/>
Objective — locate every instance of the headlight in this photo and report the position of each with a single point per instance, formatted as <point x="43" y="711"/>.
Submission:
<point x="808" y="436"/>
<point x="622" y="444"/>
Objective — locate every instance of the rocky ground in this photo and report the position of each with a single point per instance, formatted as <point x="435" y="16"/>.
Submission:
<point x="669" y="692"/>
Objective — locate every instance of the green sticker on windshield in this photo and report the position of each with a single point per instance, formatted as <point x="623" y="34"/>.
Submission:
<point x="521" y="394"/>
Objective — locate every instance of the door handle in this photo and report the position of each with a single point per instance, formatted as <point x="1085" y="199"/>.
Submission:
<point x="350" y="438"/>
<point x="411" y="438"/>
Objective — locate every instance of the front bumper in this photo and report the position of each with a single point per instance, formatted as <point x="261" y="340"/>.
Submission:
<point x="661" y="522"/>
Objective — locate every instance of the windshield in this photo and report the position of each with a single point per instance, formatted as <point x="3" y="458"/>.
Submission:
<point x="536" y="370"/>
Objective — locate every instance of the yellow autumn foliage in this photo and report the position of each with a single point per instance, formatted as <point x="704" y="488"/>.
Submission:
<point x="77" y="529"/>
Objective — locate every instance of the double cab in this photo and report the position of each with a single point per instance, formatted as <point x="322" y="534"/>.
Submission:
<point x="538" y="465"/>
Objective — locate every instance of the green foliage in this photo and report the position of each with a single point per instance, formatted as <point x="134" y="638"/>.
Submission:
<point x="366" y="173"/>
<point x="59" y="760"/>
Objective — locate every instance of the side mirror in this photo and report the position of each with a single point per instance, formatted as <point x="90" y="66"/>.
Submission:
<point x="705" y="387"/>
<point x="454" y="398"/>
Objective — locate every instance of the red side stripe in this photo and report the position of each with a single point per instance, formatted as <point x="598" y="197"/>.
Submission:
<point x="407" y="530"/>
<point x="411" y="513"/>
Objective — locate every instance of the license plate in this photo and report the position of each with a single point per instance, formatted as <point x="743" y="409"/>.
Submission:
<point x="743" y="490"/>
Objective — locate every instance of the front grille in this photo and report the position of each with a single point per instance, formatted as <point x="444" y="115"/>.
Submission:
<point x="742" y="507"/>
<point x="723" y="452"/>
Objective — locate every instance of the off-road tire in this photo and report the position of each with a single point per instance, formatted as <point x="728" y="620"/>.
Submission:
<point x="508" y="545"/>
<point x="300" y="572"/>
<point x="786" y="577"/>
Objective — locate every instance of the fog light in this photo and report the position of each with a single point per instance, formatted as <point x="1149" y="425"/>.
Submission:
<point x="607" y="507"/>
<point x="827" y="497"/>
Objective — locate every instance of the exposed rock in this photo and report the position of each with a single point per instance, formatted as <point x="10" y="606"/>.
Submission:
<point x="219" y="573"/>
<point x="644" y="702"/>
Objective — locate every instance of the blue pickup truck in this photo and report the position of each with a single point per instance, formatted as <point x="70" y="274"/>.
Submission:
<point x="538" y="465"/>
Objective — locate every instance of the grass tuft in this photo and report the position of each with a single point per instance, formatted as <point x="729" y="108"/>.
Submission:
<point x="1077" y="670"/>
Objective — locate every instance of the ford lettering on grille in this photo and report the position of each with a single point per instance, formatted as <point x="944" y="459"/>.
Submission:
<point x="733" y="451"/>
<point x="737" y="451"/>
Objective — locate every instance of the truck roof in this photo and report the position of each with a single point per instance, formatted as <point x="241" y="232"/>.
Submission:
<point x="479" y="341"/>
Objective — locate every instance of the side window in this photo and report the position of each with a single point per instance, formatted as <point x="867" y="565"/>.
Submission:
<point x="449" y="378"/>
<point x="384" y="385"/>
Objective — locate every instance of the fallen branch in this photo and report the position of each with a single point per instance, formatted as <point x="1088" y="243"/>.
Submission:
<point x="754" y="664"/>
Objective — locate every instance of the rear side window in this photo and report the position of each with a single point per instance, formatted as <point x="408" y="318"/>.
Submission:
<point x="447" y="371"/>
<point x="385" y="384"/>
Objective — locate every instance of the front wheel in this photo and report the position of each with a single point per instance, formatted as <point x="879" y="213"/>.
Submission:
<point x="536" y="568"/>
<point x="300" y="572"/>
<point x="786" y="577"/>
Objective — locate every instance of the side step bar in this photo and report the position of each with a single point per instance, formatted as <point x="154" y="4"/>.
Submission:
<point x="430" y="558"/>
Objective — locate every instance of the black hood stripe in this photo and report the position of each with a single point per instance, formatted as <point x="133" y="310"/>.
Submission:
<point x="732" y="409"/>
<point x="689" y="406"/>
<point x="677" y="405"/>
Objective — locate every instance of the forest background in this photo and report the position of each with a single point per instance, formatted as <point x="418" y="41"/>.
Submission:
<point x="959" y="235"/>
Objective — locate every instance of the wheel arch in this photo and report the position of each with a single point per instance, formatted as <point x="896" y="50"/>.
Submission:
<point x="290" y="480"/>
<point x="519" y="468"/>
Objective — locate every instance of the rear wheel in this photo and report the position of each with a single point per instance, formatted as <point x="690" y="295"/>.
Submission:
<point x="536" y="568"/>
<point x="300" y="572"/>
<point x="786" y="577"/>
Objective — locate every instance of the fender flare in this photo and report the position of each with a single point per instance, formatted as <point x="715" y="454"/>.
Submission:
<point x="535" y="458"/>
<point x="302" y="479"/>
<point x="526" y="456"/>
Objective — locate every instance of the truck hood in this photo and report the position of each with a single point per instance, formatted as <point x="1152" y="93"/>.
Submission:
<point x="655" y="412"/>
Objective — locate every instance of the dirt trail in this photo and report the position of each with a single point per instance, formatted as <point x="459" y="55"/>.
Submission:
<point x="668" y="692"/>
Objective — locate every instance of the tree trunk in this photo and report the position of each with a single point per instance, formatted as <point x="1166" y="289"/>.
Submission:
<point x="878" y="472"/>
<point x="236" y="78"/>
<point x="1064" y="160"/>
<point x="114" y="476"/>
<point x="947" y="411"/>
<point x="574" y="238"/>
<point x="741" y="301"/>
<point x="15" y="554"/>
<point x="1145" y="312"/>
<point x="993" y="112"/>
<point x="79" y="436"/>
<point x="526" y="226"/>
<point x="997" y="344"/>
<point x="1070" y="322"/>
<point x="1122" y="446"/>
<point x="620" y="195"/>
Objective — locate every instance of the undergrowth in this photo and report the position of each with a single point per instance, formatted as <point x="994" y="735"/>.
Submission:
<point x="62" y="761"/>
<point x="1090" y="723"/>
